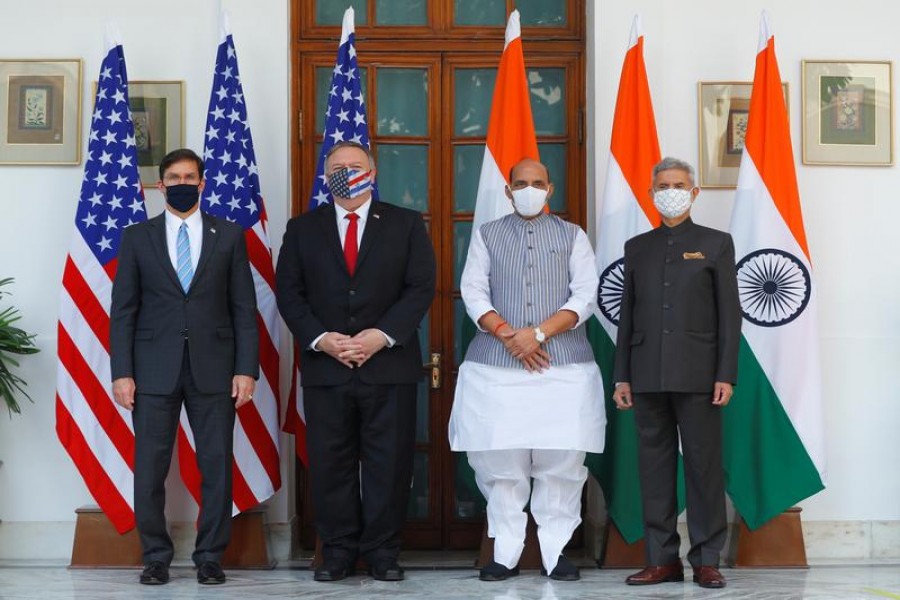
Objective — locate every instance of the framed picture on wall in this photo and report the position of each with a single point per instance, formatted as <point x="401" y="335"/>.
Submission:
<point x="40" y="112"/>
<point x="157" y="108"/>
<point x="848" y="113"/>
<point x="723" y="107"/>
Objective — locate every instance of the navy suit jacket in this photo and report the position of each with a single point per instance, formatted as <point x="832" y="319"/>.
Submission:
<point x="391" y="289"/>
<point x="151" y="316"/>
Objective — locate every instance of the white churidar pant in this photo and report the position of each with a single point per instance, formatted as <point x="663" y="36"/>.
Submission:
<point x="504" y="477"/>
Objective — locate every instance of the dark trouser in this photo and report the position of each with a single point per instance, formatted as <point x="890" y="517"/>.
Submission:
<point x="373" y="425"/>
<point x="155" y="424"/>
<point x="659" y="419"/>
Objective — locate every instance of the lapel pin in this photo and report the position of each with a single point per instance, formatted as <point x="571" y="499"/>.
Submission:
<point x="376" y="215"/>
<point x="212" y="229"/>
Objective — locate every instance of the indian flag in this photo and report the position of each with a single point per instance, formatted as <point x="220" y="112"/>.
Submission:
<point x="510" y="135"/>
<point x="774" y="448"/>
<point x="510" y="138"/>
<point x="627" y="210"/>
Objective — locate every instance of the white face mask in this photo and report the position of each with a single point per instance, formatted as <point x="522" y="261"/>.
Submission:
<point x="672" y="202"/>
<point x="529" y="201"/>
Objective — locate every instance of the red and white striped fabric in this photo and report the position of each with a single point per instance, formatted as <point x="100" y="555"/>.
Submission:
<point x="233" y="192"/>
<point x="95" y="431"/>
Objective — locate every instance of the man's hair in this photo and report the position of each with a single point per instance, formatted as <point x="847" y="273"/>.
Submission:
<point x="177" y="156"/>
<point x="357" y="145"/>
<point x="673" y="163"/>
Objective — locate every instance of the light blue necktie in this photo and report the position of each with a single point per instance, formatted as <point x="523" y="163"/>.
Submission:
<point x="185" y="268"/>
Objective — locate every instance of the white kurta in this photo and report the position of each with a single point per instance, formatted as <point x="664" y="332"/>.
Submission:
<point x="496" y="408"/>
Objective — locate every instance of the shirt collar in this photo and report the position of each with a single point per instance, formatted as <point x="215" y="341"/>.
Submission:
<point x="679" y="229"/>
<point x="173" y="222"/>
<point x="362" y="211"/>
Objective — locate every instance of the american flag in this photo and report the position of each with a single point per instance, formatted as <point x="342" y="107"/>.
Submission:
<point x="232" y="192"/>
<point x="345" y="121"/>
<point x="95" y="431"/>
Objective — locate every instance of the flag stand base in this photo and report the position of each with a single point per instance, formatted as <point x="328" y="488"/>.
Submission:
<point x="778" y="543"/>
<point x="98" y="545"/>
<point x="619" y="554"/>
<point x="531" y="554"/>
<point x="249" y="548"/>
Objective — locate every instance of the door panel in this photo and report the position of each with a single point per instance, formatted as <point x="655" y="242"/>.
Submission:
<point x="428" y="104"/>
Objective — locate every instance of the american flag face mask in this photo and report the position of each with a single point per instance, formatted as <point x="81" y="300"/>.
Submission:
<point x="349" y="183"/>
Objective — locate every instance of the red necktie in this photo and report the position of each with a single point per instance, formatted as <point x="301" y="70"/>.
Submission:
<point x="350" y="244"/>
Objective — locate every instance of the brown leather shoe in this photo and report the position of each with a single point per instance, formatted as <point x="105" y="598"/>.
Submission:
<point x="708" y="577"/>
<point x="657" y="574"/>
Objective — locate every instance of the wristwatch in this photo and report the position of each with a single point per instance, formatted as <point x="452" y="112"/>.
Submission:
<point x="539" y="335"/>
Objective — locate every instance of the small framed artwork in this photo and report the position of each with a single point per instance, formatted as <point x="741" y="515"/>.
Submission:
<point x="40" y="112"/>
<point x="724" y="108"/>
<point x="848" y="113"/>
<point x="157" y="108"/>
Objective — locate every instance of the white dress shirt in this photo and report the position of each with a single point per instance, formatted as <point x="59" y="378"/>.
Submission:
<point x="497" y="408"/>
<point x="195" y="236"/>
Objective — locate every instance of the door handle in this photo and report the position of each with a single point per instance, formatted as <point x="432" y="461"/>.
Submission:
<point x="435" y="366"/>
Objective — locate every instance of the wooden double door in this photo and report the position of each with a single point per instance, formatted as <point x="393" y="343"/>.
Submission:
<point x="428" y="101"/>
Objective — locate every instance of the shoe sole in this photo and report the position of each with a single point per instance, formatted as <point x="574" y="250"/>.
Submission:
<point x="154" y="582"/>
<point x="675" y="579"/>
<point x="710" y="586"/>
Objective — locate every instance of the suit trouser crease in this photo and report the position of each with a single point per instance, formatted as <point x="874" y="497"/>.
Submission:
<point x="504" y="478"/>
<point x="361" y="442"/>
<point x="156" y="418"/>
<point x="660" y="418"/>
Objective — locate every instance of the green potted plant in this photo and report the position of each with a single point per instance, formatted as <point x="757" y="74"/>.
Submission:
<point x="12" y="341"/>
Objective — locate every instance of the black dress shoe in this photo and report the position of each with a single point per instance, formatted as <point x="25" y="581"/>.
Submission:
<point x="210" y="573"/>
<point x="494" y="571"/>
<point x="333" y="570"/>
<point x="563" y="571"/>
<point x="156" y="573"/>
<point x="386" y="570"/>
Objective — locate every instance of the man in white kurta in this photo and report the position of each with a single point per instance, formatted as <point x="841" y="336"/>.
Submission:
<point x="529" y="397"/>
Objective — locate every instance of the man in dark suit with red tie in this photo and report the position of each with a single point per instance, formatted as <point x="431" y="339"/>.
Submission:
<point x="676" y="363"/>
<point x="183" y="330"/>
<point x="355" y="278"/>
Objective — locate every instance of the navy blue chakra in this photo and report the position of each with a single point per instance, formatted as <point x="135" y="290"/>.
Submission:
<point x="774" y="287"/>
<point x="609" y="293"/>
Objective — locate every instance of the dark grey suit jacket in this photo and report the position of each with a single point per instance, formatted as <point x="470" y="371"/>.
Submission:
<point x="391" y="290"/>
<point x="680" y="319"/>
<point x="151" y="315"/>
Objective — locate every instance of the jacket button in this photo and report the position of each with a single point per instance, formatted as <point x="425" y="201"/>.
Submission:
<point x="670" y="242"/>
<point x="667" y="284"/>
<point x="352" y="292"/>
<point x="353" y="319"/>
<point x="666" y="307"/>
<point x="668" y="260"/>
<point x="667" y="331"/>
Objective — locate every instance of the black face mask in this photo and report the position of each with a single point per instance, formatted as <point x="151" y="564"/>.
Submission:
<point x="182" y="197"/>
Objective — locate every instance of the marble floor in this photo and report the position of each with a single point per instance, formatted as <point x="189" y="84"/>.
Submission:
<point x="55" y="582"/>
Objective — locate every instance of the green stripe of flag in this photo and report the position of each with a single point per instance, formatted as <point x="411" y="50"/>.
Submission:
<point x="767" y="468"/>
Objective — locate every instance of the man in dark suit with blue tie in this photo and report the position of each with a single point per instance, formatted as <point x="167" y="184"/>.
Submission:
<point x="183" y="330"/>
<point x="355" y="278"/>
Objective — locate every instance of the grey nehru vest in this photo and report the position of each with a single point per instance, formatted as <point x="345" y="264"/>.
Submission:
<point x="529" y="282"/>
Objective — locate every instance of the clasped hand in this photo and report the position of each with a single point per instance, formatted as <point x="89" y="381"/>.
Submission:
<point x="523" y="346"/>
<point x="352" y="351"/>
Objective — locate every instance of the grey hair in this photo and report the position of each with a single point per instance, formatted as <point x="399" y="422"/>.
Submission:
<point x="673" y="163"/>
<point x="349" y="144"/>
